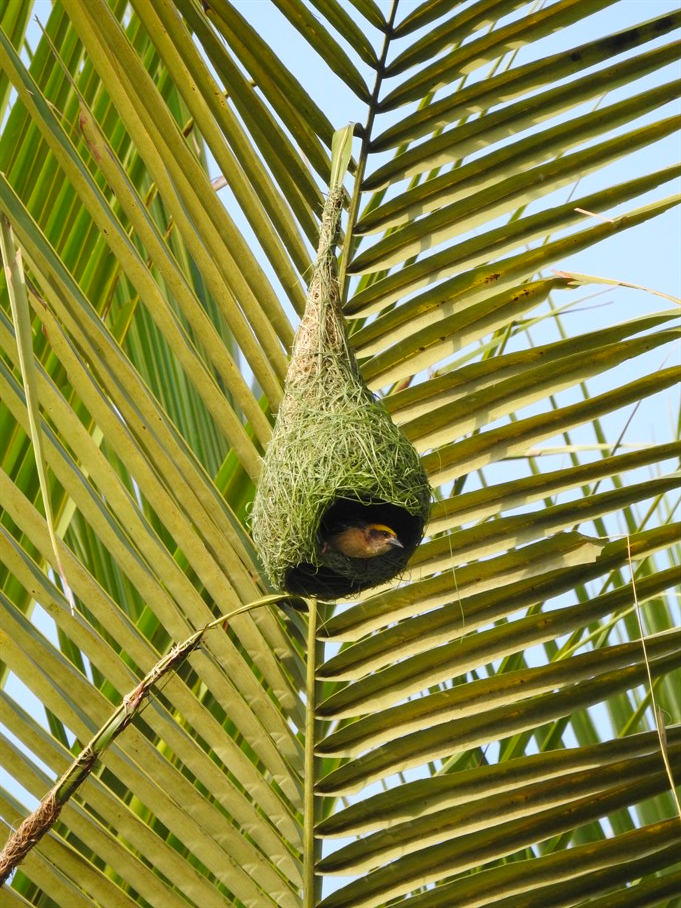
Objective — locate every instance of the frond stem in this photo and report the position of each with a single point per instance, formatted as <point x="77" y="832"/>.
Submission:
<point x="361" y="163"/>
<point x="309" y="842"/>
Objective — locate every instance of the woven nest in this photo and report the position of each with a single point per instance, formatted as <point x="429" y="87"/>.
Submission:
<point x="335" y="456"/>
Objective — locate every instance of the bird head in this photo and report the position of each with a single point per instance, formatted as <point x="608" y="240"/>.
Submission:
<point x="381" y="538"/>
<point x="362" y="540"/>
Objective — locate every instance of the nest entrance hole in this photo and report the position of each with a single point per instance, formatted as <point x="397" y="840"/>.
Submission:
<point x="346" y="511"/>
<point x="338" y="575"/>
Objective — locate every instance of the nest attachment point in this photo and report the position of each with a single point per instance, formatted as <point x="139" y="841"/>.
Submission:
<point x="335" y="458"/>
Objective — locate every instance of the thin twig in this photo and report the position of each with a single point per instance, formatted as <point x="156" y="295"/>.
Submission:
<point x="34" y="827"/>
<point x="659" y="717"/>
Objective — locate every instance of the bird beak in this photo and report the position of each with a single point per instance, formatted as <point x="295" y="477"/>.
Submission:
<point x="395" y="541"/>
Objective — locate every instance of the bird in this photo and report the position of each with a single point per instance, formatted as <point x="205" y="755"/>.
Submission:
<point x="361" y="540"/>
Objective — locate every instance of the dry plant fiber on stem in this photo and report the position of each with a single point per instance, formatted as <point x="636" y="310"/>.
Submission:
<point x="335" y="456"/>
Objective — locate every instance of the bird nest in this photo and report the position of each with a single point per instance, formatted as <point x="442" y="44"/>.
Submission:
<point x="335" y="458"/>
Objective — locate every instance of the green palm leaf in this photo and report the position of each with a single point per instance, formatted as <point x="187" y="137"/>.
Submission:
<point x="482" y="732"/>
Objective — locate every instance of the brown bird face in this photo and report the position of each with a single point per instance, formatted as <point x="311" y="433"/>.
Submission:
<point x="362" y="541"/>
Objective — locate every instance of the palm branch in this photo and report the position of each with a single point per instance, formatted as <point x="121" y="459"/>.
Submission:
<point x="502" y="725"/>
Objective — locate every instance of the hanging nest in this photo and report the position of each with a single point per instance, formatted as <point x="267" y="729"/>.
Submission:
<point x="335" y="458"/>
